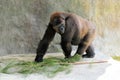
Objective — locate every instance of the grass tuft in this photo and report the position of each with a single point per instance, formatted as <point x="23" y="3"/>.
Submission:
<point x="116" y="58"/>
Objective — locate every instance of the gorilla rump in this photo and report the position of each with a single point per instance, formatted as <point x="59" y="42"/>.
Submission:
<point x="74" y="30"/>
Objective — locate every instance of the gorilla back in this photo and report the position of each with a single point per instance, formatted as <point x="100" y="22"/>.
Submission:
<point x="74" y="30"/>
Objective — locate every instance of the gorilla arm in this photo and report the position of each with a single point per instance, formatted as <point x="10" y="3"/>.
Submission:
<point x="44" y="43"/>
<point x="66" y="46"/>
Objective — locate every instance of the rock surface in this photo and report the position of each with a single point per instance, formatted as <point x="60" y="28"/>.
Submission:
<point x="23" y="23"/>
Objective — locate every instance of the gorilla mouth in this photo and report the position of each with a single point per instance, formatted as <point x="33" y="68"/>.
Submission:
<point x="61" y="29"/>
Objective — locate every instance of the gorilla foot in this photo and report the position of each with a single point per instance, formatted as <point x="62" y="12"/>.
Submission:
<point x="66" y="57"/>
<point x="88" y="56"/>
<point x="38" y="59"/>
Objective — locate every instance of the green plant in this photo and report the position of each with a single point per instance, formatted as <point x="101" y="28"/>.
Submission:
<point x="49" y="67"/>
<point x="116" y="58"/>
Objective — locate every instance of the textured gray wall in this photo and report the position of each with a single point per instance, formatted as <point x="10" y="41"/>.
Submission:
<point x="23" y="22"/>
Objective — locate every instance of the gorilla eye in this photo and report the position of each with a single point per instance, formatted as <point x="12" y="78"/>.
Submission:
<point x="57" y="21"/>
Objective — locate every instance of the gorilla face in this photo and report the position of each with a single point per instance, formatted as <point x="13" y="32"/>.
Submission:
<point x="59" y="25"/>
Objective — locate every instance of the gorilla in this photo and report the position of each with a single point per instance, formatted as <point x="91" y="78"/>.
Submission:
<point x="74" y="30"/>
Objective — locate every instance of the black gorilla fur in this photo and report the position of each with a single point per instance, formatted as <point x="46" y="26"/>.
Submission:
<point x="74" y="30"/>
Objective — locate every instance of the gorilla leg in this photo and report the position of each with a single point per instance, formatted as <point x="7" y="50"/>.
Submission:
<point x="85" y="46"/>
<point x="81" y="48"/>
<point x="66" y="46"/>
<point x="89" y="52"/>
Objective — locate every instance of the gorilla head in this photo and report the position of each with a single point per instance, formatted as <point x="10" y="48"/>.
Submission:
<point x="58" y="23"/>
